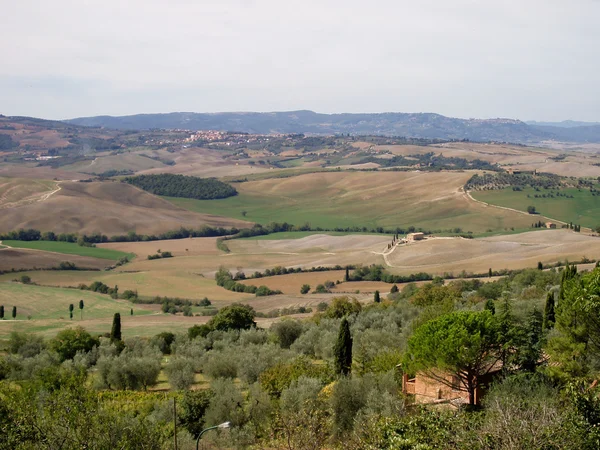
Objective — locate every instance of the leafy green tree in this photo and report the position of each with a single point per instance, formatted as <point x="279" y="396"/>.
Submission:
<point x="305" y="289"/>
<point x="68" y="342"/>
<point x="287" y="331"/>
<point x="577" y="344"/>
<point x="464" y="344"/>
<point x="531" y="209"/>
<point x="342" y="306"/>
<point x="234" y="317"/>
<point x="376" y="297"/>
<point x="180" y="373"/>
<point x="529" y="351"/>
<point x="194" y="406"/>
<point x="115" y="332"/>
<point x="549" y="313"/>
<point x="342" y="351"/>
<point x="198" y="331"/>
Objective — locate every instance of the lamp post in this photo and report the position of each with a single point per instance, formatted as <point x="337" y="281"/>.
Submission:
<point x="223" y="425"/>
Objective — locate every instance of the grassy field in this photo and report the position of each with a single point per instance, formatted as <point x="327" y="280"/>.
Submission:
<point x="582" y="209"/>
<point x="69" y="248"/>
<point x="433" y="201"/>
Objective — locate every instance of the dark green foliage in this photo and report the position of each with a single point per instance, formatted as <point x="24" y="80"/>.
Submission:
<point x="204" y="302"/>
<point x="198" y="331"/>
<point x="540" y="266"/>
<point x="549" y="314"/>
<point x="305" y="289"/>
<point x="182" y="186"/>
<point x="233" y="317"/>
<point x="68" y="342"/>
<point x="263" y="291"/>
<point x="115" y="332"/>
<point x="160" y="255"/>
<point x="193" y="410"/>
<point x="7" y="143"/>
<point x="529" y="351"/>
<point x="376" y="297"/>
<point x="489" y="306"/>
<point x="394" y="289"/>
<point x="2" y="312"/>
<point x="163" y="341"/>
<point x="531" y="209"/>
<point x="14" y="312"/>
<point x="342" y="351"/>
<point x="347" y="275"/>
<point x="321" y="289"/>
<point x="25" y="279"/>
<point x="430" y="161"/>
<point x="26" y="345"/>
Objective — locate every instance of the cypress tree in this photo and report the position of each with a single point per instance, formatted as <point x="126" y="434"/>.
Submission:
<point x="342" y="350"/>
<point x="490" y="273"/>
<point x="14" y="312"/>
<point x="347" y="276"/>
<point x="377" y="298"/>
<point x="549" y="315"/>
<point x="115" y="333"/>
<point x="131" y="312"/>
<point x="71" y="311"/>
<point x="2" y="312"/>
<point x="80" y="309"/>
<point x="540" y="265"/>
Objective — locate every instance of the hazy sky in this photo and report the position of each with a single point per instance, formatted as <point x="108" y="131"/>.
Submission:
<point x="526" y="59"/>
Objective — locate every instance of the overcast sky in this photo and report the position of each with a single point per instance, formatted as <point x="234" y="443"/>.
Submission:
<point x="525" y="59"/>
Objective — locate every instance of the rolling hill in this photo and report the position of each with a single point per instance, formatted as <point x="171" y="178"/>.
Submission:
<point x="105" y="207"/>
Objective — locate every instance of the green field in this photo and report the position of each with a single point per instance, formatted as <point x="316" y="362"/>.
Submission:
<point x="41" y="302"/>
<point x="70" y="248"/>
<point x="582" y="209"/>
<point x="339" y="199"/>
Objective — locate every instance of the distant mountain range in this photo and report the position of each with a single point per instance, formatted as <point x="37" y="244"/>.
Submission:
<point x="417" y="125"/>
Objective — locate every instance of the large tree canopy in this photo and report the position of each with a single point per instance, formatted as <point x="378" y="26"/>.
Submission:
<point x="464" y="344"/>
<point x="234" y="317"/>
<point x="577" y="345"/>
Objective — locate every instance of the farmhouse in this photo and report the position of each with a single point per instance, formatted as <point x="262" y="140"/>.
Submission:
<point x="415" y="237"/>
<point x="551" y="225"/>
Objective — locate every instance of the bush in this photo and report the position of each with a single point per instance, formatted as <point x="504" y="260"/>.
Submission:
<point x="305" y="289"/>
<point x="25" y="279"/>
<point x="68" y="342"/>
<point x="287" y="331"/>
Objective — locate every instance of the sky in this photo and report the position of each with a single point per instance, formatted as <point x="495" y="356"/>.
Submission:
<point x="523" y="59"/>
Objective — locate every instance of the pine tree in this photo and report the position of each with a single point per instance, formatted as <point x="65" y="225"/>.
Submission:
<point x="549" y="315"/>
<point x="80" y="309"/>
<point x="530" y="349"/>
<point x="115" y="333"/>
<point x="377" y="298"/>
<point x="14" y="312"/>
<point x="342" y="350"/>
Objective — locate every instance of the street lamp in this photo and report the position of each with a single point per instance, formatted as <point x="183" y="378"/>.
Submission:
<point x="223" y="425"/>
